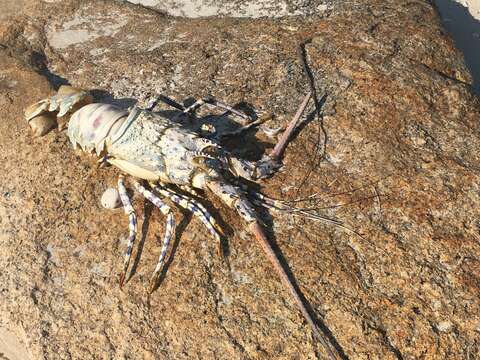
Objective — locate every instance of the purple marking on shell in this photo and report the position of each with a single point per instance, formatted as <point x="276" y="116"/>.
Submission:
<point x="97" y="122"/>
<point x="92" y="124"/>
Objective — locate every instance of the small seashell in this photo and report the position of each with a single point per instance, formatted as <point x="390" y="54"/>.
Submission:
<point x="42" y="124"/>
<point x="111" y="199"/>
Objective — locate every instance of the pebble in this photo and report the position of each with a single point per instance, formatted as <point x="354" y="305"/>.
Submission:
<point x="111" y="199"/>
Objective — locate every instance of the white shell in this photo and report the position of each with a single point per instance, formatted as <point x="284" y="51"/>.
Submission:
<point x="111" y="199"/>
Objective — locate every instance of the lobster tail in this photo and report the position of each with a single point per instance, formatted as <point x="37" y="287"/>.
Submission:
<point x="41" y="115"/>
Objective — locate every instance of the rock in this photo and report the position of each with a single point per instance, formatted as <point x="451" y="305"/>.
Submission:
<point x="111" y="199"/>
<point x="473" y="7"/>
<point x="11" y="347"/>
<point x="402" y="166"/>
<point x="235" y="8"/>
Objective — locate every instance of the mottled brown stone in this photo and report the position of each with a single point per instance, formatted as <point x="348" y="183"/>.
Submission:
<point x="402" y="153"/>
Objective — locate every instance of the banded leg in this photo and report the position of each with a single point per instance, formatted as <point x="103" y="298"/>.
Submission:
<point x="169" y="230"/>
<point x="132" y="226"/>
<point x="190" y="190"/>
<point x="165" y="99"/>
<point x="249" y="170"/>
<point x="196" y="209"/>
<point x="216" y="103"/>
<point x="194" y="192"/>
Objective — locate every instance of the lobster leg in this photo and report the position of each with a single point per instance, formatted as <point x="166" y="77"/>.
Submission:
<point x="244" y="128"/>
<point x="234" y="199"/>
<point x="268" y="164"/>
<point x="216" y="103"/>
<point x="169" y="230"/>
<point x="191" y="191"/>
<point x="132" y="226"/>
<point x="193" y="206"/>
<point x="165" y="99"/>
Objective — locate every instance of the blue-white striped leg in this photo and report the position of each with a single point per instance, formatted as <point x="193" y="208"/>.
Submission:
<point x="193" y="192"/>
<point x="169" y="230"/>
<point x="196" y="203"/>
<point x="216" y="103"/>
<point x="197" y="209"/>
<point x="189" y="189"/>
<point x="132" y="226"/>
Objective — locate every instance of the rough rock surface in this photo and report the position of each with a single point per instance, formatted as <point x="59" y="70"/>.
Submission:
<point x="402" y="154"/>
<point x="235" y="8"/>
<point x="472" y="6"/>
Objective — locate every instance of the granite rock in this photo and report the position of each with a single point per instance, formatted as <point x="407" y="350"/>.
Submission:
<point x="401" y="166"/>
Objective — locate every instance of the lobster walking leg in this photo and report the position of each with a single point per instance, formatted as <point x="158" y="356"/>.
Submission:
<point x="169" y="230"/>
<point x="216" y="103"/>
<point x="195" y="207"/>
<point x="165" y="99"/>
<point x="132" y="226"/>
<point x="268" y="164"/>
<point x="244" y="128"/>
<point x="206" y="100"/>
<point x="234" y="199"/>
<point x="193" y="192"/>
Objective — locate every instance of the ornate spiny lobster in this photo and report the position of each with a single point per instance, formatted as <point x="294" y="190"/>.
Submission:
<point x="170" y="156"/>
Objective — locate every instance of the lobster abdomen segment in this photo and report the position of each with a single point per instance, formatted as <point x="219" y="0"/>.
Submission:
<point x="92" y="126"/>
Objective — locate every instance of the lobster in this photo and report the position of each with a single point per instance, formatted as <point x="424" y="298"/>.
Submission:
<point x="175" y="161"/>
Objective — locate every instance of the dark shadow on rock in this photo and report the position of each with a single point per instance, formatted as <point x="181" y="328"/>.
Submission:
<point x="465" y="30"/>
<point x="102" y="96"/>
<point x="39" y="61"/>
<point x="147" y="214"/>
<point x="180" y="228"/>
